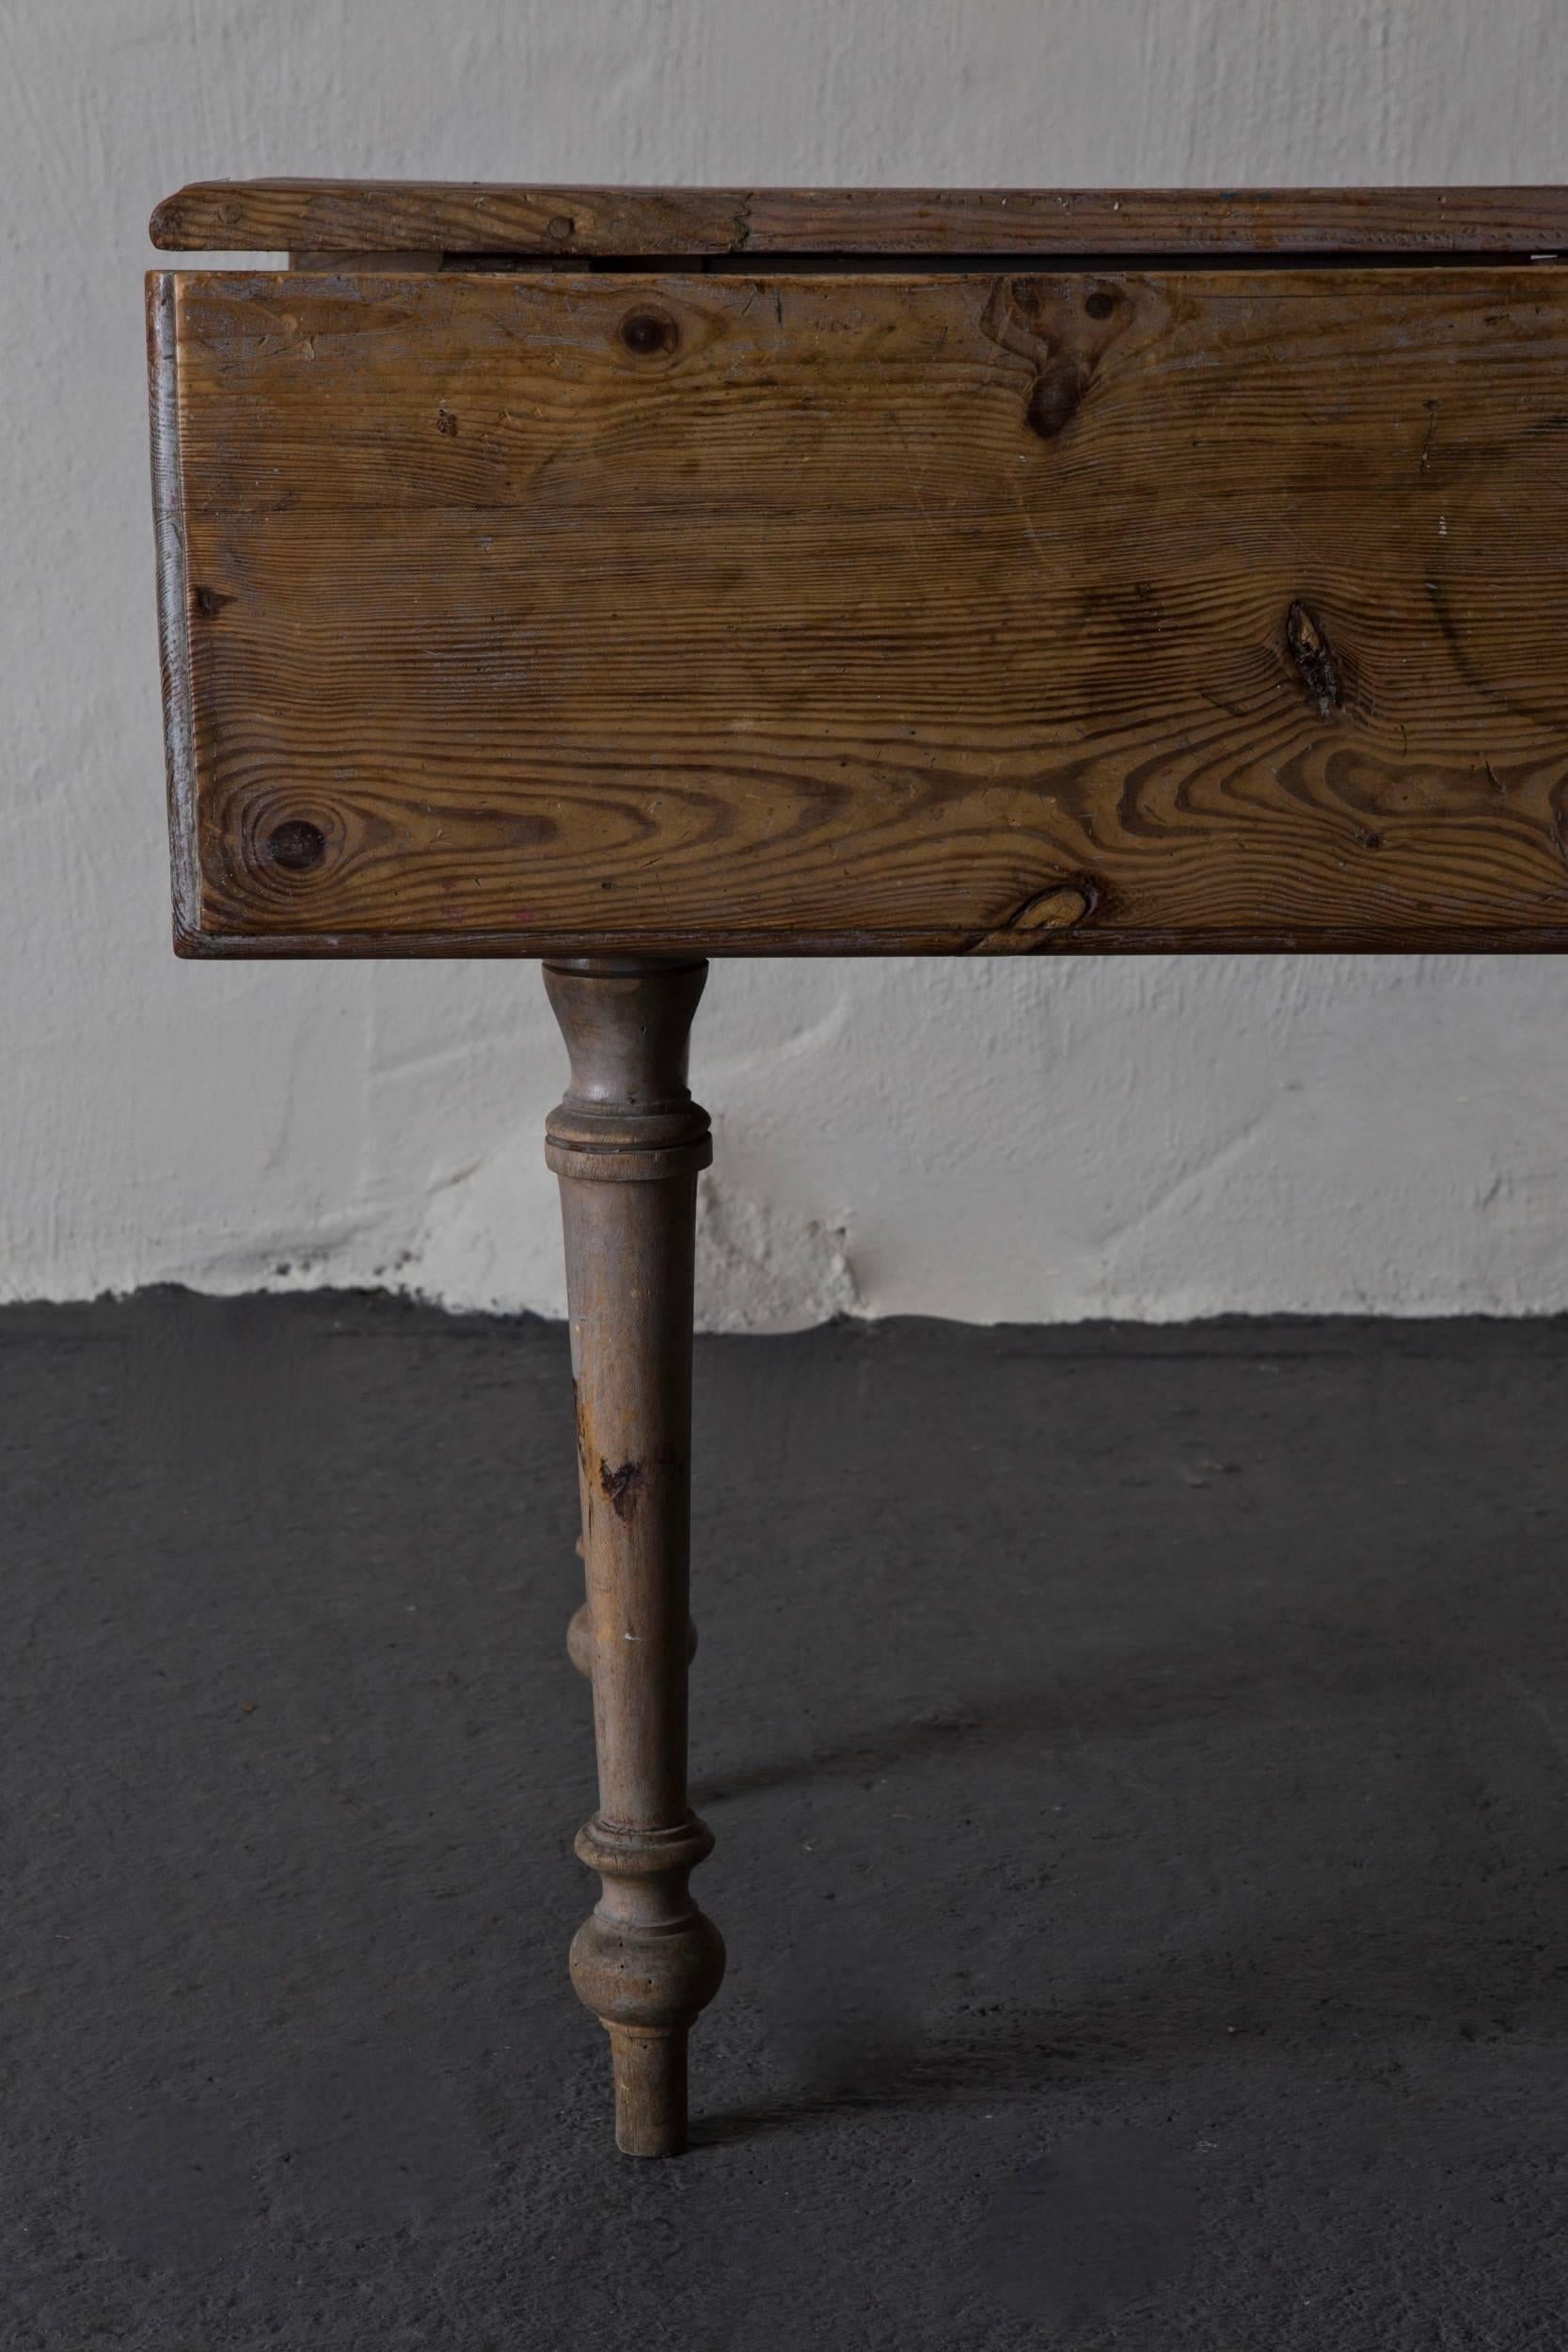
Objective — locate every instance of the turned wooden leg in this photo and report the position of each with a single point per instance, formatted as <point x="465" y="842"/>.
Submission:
<point x="627" y="1143"/>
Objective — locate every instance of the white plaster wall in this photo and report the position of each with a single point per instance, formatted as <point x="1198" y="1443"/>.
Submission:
<point x="1011" y="1140"/>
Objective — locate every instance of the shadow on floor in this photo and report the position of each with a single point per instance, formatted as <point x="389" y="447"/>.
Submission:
<point x="1139" y="1764"/>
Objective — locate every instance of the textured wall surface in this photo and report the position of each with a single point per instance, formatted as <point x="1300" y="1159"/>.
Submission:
<point x="1006" y="1141"/>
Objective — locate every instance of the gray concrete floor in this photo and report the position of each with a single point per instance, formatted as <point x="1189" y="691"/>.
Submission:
<point x="1138" y="1760"/>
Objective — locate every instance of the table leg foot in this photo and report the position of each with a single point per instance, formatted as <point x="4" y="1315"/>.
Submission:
<point x="650" y="2090"/>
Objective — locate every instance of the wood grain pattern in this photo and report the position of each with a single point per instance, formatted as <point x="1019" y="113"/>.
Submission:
<point x="293" y="216"/>
<point x="974" y="612"/>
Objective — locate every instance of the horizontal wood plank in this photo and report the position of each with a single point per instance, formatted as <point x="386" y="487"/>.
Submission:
<point x="987" y="612"/>
<point x="364" y="215"/>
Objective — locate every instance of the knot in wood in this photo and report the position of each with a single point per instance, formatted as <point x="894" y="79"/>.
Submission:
<point x="296" y="846"/>
<point x="647" y="333"/>
<point x="1056" y="396"/>
<point x="1306" y="641"/>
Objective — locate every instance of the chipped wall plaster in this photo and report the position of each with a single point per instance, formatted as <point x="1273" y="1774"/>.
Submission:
<point x="1016" y="1139"/>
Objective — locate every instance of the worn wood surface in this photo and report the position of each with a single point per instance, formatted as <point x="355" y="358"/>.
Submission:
<point x="974" y="612"/>
<point x="291" y="215"/>
<point x="579" y="1638"/>
<point x="627" y="1144"/>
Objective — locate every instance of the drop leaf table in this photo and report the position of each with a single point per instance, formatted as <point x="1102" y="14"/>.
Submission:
<point x="623" y="577"/>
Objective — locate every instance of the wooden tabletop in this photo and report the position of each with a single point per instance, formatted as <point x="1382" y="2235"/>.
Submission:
<point x="977" y="611"/>
<point x="429" y="215"/>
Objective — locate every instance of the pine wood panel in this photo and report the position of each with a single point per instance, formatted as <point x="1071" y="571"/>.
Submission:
<point x="293" y="216"/>
<point x="976" y="612"/>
